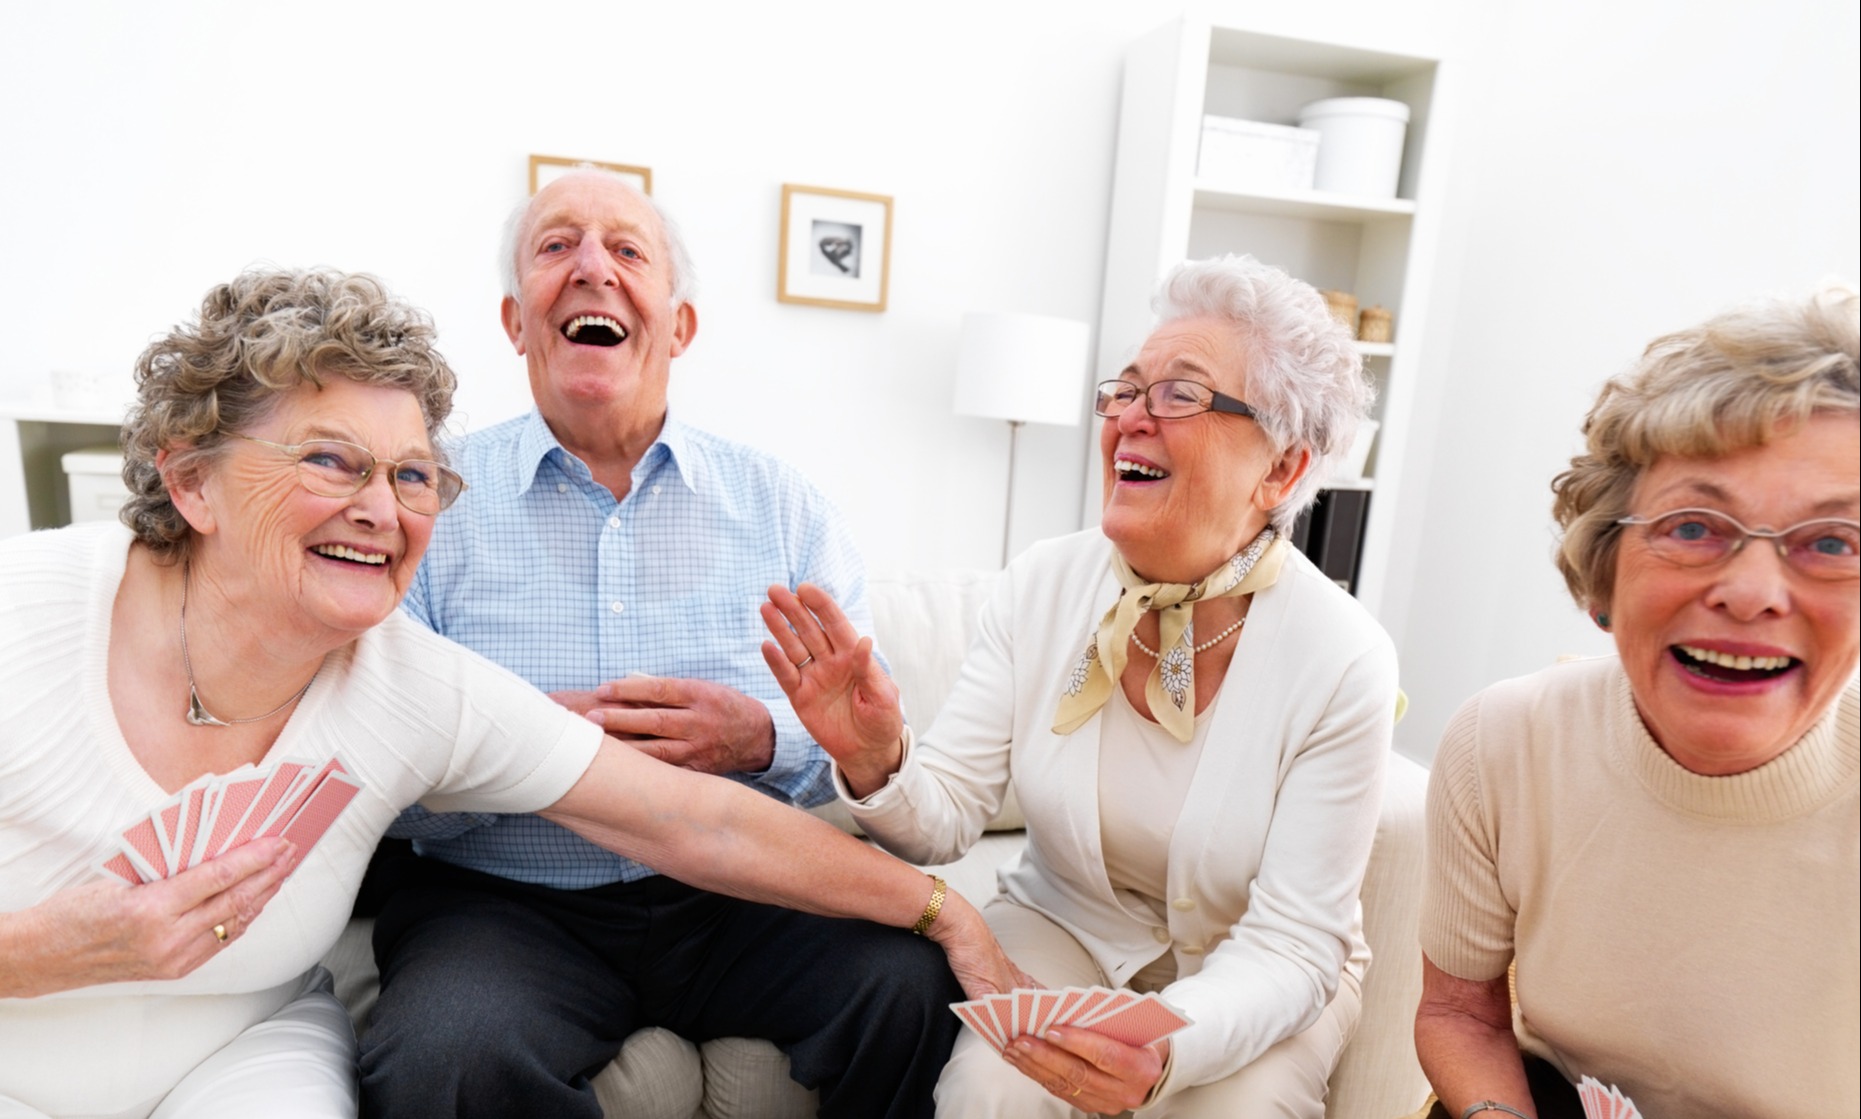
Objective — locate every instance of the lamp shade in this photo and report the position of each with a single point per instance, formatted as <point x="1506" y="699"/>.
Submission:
<point x="1022" y="368"/>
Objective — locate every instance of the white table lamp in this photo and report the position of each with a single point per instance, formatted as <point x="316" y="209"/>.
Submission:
<point x="1023" y="369"/>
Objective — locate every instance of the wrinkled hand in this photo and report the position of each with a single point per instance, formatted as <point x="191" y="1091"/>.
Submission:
<point x="976" y="958"/>
<point x="695" y="724"/>
<point x="108" y="932"/>
<point x="838" y="690"/>
<point x="1090" y="1071"/>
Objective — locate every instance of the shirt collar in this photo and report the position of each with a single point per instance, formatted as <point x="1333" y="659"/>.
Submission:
<point x="673" y="448"/>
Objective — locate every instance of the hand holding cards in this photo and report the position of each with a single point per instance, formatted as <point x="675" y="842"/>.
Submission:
<point x="1121" y="1015"/>
<point x="1604" y="1103"/>
<point x="293" y="799"/>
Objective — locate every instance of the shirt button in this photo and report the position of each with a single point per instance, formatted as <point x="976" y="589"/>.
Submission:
<point x="1184" y="904"/>
<point x="562" y="487"/>
<point x="1161" y="936"/>
<point x="655" y="489"/>
<point x="613" y="522"/>
<point x="619" y="606"/>
<point x="1192" y="950"/>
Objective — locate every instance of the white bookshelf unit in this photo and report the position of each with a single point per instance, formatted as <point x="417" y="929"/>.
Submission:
<point x="1380" y="249"/>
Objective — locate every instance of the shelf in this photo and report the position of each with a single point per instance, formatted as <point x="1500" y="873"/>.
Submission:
<point x="1349" y="484"/>
<point x="1376" y="349"/>
<point x="44" y="411"/>
<point x="1312" y="204"/>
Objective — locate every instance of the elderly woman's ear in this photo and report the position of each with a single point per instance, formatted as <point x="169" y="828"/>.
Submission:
<point x="1278" y="483"/>
<point x="183" y="476"/>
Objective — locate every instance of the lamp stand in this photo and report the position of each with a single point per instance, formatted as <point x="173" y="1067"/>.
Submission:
<point x="1008" y="506"/>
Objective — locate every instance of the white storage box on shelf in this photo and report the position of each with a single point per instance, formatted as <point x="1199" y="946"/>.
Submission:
<point x="95" y="478"/>
<point x="1249" y="155"/>
<point x="1360" y="145"/>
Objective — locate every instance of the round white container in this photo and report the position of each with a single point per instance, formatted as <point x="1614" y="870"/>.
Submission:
<point x="1360" y="144"/>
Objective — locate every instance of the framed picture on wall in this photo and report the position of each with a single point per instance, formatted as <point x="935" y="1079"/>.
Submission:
<point x="545" y="169"/>
<point x="836" y="248"/>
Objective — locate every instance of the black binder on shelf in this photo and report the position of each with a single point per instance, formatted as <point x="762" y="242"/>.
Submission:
<point x="1330" y="533"/>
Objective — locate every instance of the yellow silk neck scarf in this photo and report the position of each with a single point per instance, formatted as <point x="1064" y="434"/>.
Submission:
<point x="1171" y="686"/>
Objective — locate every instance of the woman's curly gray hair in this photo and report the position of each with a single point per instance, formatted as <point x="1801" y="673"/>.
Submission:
<point x="1303" y="372"/>
<point x="257" y="338"/>
<point x="1733" y="382"/>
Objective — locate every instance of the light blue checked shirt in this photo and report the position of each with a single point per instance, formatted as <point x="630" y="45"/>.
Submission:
<point x="539" y="569"/>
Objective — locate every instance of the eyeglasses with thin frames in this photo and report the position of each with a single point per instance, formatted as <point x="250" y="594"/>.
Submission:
<point x="1823" y="548"/>
<point x="1168" y="400"/>
<point x="333" y="468"/>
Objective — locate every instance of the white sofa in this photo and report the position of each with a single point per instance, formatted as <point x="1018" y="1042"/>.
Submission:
<point x="923" y="624"/>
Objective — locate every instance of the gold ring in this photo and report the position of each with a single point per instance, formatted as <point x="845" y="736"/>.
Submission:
<point x="1077" y="1090"/>
<point x="219" y="933"/>
<point x="804" y="662"/>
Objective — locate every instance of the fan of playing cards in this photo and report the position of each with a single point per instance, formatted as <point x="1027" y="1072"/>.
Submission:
<point x="1604" y="1103"/>
<point x="1121" y="1015"/>
<point x="298" y="800"/>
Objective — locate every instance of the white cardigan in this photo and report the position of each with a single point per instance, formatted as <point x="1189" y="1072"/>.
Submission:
<point x="1269" y="850"/>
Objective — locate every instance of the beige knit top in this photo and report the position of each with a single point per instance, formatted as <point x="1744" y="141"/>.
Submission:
<point x="1694" y="940"/>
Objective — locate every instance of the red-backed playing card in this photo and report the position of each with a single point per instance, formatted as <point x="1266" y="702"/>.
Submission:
<point x="1140" y="1022"/>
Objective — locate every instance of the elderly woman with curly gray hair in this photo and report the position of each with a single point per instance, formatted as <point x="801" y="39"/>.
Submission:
<point x="1194" y="718"/>
<point x="285" y="479"/>
<point x="1664" y="841"/>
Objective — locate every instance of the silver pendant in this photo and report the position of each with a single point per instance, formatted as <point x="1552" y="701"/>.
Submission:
<point x="199" y="716"/>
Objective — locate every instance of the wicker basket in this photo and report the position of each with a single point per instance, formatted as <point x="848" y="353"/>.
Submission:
<point x="1376" y="324"/>
<point x="1343" y="308"/>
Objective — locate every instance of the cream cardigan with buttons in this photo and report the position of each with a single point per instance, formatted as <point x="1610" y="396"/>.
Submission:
<point x="1270" y="847"/>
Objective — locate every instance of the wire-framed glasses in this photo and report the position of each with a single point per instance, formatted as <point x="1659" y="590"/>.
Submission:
<point x="333" y="468"/>
<point x="1167" y="400"/>
<point x="1824" y="548"/>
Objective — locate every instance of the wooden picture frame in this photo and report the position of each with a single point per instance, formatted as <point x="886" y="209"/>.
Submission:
<point x="545" y="169"/>
<point x="836" y="248"/>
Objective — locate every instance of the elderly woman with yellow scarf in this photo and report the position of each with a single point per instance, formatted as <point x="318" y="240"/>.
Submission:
<point x="1195" y="720"/>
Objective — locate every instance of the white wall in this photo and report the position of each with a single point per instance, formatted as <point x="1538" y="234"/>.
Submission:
<point x="1621" y="168"/>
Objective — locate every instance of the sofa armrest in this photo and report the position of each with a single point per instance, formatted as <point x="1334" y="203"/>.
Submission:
<point x="1379" y="1075"/>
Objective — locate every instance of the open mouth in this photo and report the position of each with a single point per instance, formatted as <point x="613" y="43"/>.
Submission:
<point x="349" y="555"/>
<point x="1130" y="470"/>
<point x="1729" y="668"/>
<point x="594" y="330"/>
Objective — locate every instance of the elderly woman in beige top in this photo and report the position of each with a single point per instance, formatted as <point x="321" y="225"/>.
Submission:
<point x="1666" y="840"/>
<point x="1199" y="793"/>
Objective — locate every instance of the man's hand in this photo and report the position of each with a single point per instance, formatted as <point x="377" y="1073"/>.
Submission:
<point x="691" y="723"/>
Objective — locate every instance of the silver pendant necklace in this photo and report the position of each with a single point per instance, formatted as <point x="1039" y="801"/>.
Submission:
<point x="197" y="713"/>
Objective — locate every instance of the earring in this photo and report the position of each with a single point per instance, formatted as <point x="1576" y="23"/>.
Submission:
<point x="1602" y="621"/>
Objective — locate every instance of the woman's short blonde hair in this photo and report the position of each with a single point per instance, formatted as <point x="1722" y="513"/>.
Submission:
<point x="1732" y="382"/>
<point x="256" y="338"/>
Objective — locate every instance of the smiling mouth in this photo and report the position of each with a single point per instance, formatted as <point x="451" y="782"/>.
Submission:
<point x="1728" y="668"/>
<point x="594" y="330"/>
<point x="349" y="555"/>
<point x="1130" y="471"/>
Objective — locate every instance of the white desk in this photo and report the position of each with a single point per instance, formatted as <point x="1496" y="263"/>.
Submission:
<point x="34" y="435"/>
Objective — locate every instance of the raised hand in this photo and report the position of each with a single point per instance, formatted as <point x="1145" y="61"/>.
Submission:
<point x="695" y="724"/>
<point x="838" y="690"/>
<point x="1091" y="1072"/>
<point x="108" y="932"/>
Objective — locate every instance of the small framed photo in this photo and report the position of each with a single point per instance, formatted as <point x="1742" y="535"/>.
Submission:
<point x="836" y="248"/>
<point x="545" y="169"/>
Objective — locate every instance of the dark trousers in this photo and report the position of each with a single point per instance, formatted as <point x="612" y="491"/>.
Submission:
<point x="1551" y="1094"/>
<point x="501" y="999"/>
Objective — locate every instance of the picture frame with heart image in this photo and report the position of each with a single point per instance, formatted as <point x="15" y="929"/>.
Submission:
<point x="836" y="248"/>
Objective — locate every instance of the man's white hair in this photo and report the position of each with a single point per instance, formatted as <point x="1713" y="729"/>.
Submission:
<point x="1303" y="372"/>
<point x="684" y="276"/>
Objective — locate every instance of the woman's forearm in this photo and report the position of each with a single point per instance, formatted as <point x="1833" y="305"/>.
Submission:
<point x="720" y="836"/>
<point x="1463" y="1037"/>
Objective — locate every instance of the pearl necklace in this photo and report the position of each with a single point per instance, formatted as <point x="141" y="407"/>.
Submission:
<point x="197" y="713"/>
<point x="1199" y="649"/>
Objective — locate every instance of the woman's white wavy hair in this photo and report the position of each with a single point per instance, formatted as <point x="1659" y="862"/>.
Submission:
<point x="1303" y="373"/>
